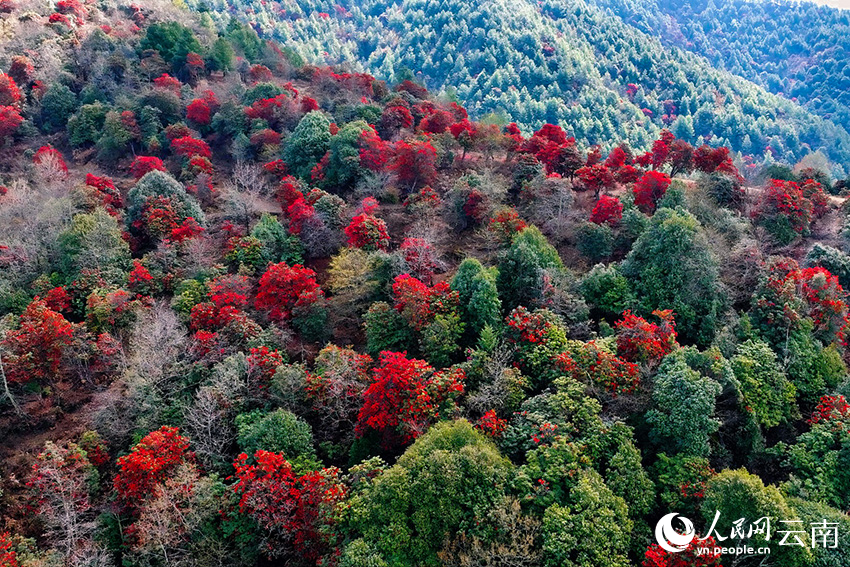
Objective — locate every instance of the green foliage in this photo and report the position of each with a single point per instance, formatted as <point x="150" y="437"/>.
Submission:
<point x="114" y="139"/>
<point x="386" y="329"/>
<point x="478" y="296"/>
<point x="86" y="125"/>
<point x="172" y="40"/>
<point x="739" y="494"/>
<point x="682" y="417"/>
<point x="767" y="392"/>
<point x="521" y="269"/>
<point x="343" y="168"/>
<point x="445" y="483"/>
<point x="307" y="144"/>
<point x="820" y="464"/>
<point x="591" y="530"/>
<point x="595" y="241"/>
<point x="607" y="291"/>
<point x="57" y="105"/>
<point x="161" y="184"/>
<point x="220" y="57"/>
<point x="816" y="513"/>
<point x="671" y="267"/>
<point x="812" y="368"/>
<point x="279" y="431"/>
<point x="94" y="242"/>
<point x="277" y="244"/>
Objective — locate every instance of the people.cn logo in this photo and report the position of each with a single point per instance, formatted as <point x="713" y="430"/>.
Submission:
<point x="671" y="540"/>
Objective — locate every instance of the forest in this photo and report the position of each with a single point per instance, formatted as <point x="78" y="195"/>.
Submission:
<point x="259" y="310"/>
<point x="608" y="71"/>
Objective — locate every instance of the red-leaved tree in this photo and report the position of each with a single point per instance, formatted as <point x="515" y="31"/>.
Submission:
<point x="649" y="189"/>
<point x="281" y="288"/>
<point x="405" y="396"/>
<point x="297" y="513"/>
<point x="641" y="341"/>
<point x="157" y="455"/>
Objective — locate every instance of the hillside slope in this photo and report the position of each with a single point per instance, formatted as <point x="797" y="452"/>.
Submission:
<point x="564" y="61"/>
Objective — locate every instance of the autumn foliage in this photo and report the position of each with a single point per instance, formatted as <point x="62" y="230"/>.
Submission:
<point x="158" y="454"/>
<point x="284" y="287"/>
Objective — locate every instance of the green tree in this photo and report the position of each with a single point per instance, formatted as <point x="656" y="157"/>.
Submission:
<point x="160" y="184"/>
<point x="522" y="269"/>
<point x="220" y="57"/>
<point x="671" y="267"/>
<point x="738" y="494"/>
<point x="279" y="431"/>
<point x="478" y="296"/>
<point x="114" y="138"/>
<point x="444" y="484"/>
<point x="343" y="168"/>
<point x="278" y="245"/>
<point x="94" y="242"/>
<point x="57" y="105"/>
<point x="172" y="40"/>
<point x="683" y="408"/>
<point x="766" y="390"/>
<point x="591" y="529"/>
<point x="307" y="144"/>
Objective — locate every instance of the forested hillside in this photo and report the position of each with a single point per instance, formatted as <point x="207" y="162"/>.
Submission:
<point x="563" y="61"/>
<point x="257" y="311"/>
<point x="795" y="49"/>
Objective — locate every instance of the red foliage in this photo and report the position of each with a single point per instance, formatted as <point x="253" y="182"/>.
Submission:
<point x="395" y="117"/>
<point x="10" y="95"/>
<point x="505" y="224"/>
<point x="595" y="178"/>
<point x="831" y="408"/>
<point x="48" y="154"/>
<point x="278" y="168"/>
<point x="367" y="232"/>
<point x="298" y="212"/>
<point x="785" y="198"/>
<point x="58" y="299"/>
<point x="374" y="152"/>
<point x="420" y="257"/>
<point x="110" y="196"/>
<point x="260" y="74"/>
<point x="297" y="511"/>
<point x="230" y="290"/>
<point x="641" y="341"/>
<point x="608" y="210"/>
<point x="708" y="159"/>
<point x="414" y="163"/>
<point x="657" y="557"/>
<point x="21" y="70"/>
<point x="190" y="147"/>
<point x="262" y="365"/>
<point x="418" y="303"/>
<point x="824" y="297"/>
<point x="309" y="104"/>
<point x="37" y="346"/>
<point x="143" y="164"/>
<point x="199" y="112"/>
<point x="8" y="556"/>
<point x="437" y="122"/>
<point x="627" y="174"/>
<point x="150" y="462"/>
<point x="140" y="281"/>
<point x="813" y="191"/>
<point x="265" y="137"/>
<point x="282" y="286"/>
<point x="189" y="229"/>
<point x="649" y="189"/>
<point x="590" y="364"/>
<point x="405" y="396"/>
<point x="168" y="83"/>
<point x="491" y="425"/>
<point x="10" y="121"/>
